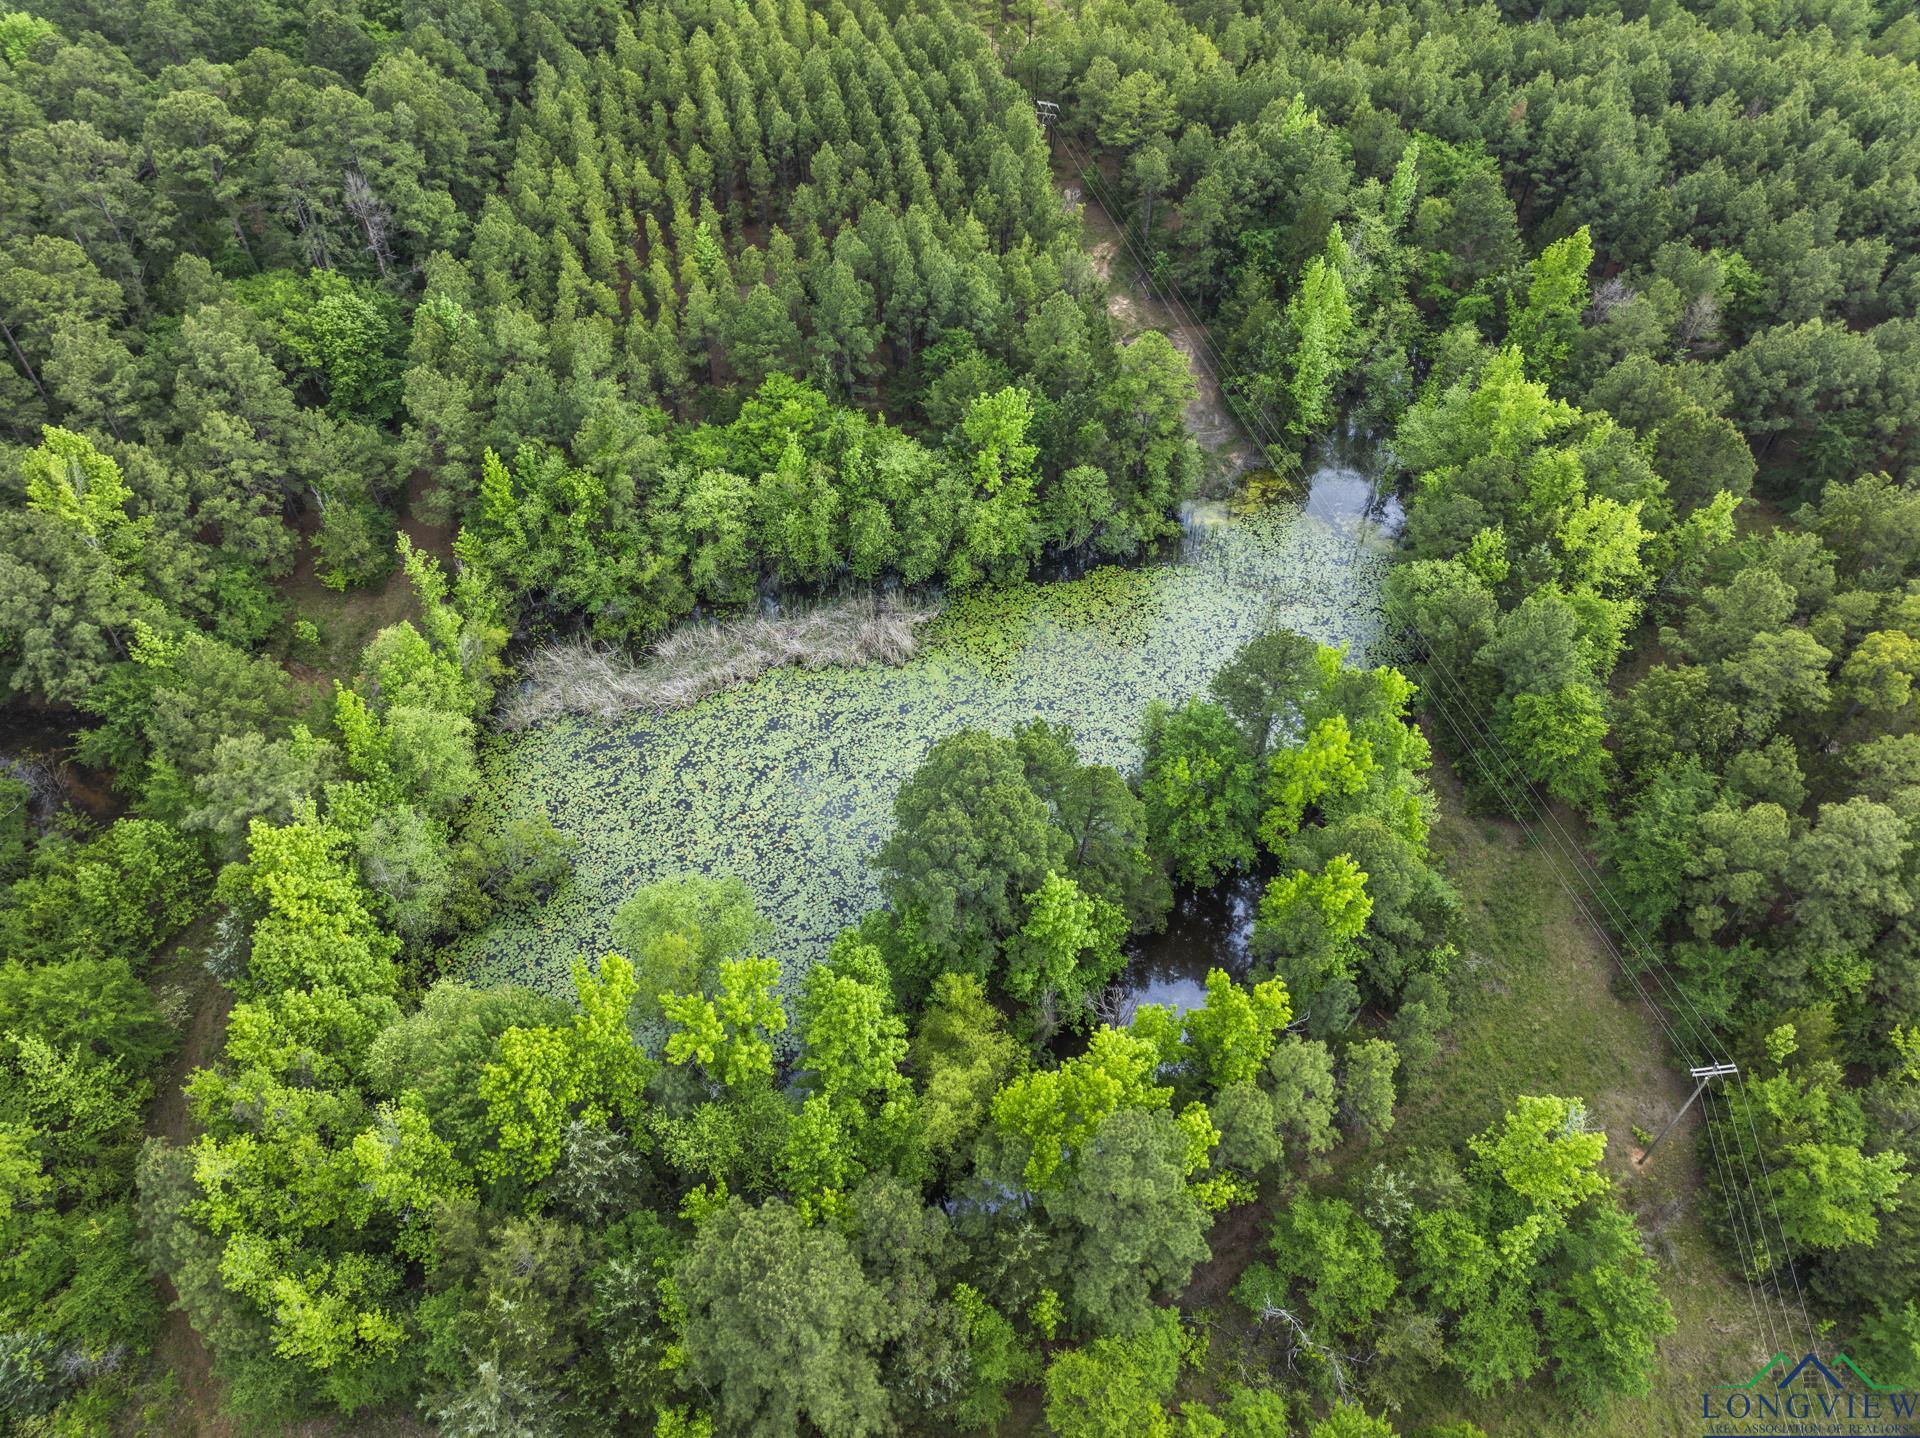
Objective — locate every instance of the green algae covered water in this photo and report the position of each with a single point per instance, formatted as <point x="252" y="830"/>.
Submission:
<point x="789" y="781"/>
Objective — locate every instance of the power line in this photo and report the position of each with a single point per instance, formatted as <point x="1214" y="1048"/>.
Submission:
<point x="1743" y="1241"/>
<point x="1705" y="1075"/>
<point x="1621" y="917"/>
<point x="1511" y="780"/>
<point x="1746" y="1234"/>
<point x="1262" y="433"/>
<point x="1739" y="1225"/>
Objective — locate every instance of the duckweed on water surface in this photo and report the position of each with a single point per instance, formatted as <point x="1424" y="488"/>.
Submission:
<point x="789" y="781"/>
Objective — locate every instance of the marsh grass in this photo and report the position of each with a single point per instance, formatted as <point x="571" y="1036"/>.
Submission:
<point x="696" y="660"/>
<point x="788" y="780"/>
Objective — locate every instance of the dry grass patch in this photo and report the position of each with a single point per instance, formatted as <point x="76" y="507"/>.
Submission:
<point x="580" y="677"/>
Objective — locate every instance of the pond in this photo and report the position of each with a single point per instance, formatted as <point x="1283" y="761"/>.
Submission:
<point x="1207" y="929"/>
<point x="789" y="781"/>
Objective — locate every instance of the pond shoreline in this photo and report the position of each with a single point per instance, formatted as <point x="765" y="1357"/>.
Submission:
<point x="788" y="780"/>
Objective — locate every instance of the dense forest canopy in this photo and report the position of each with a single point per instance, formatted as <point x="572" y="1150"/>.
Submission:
<point x="1747" y="180"/>
<point x="350" y="351"/>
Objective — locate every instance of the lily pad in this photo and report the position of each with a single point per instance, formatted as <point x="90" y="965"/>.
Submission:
<point x="788" y="781"/>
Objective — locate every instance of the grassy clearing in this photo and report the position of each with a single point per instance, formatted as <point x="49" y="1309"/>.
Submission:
<point x="1542" y="1009"/>
<point x="345" y="621"/>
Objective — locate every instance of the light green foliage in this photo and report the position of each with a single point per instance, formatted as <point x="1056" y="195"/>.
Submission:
<point x="1878" y="674"/>
<point x="407" y="672"/>
<point x="280" y="1184"/>
<point x="1545" y="325"/>
<point x="1310" y="917"/>
<point x="69" y="479"/>
<point x="1046" y="1313"/>
<point x="120" y="895"/>
<point x="1327" y="1257"/>
<point x="1234" y="1033"/>
<point x="1350" y="1420"/>
<point x="410" y="1171"/>
<point x="1327" y="760"/>
<point x="22" y="1179"/>
<point x="679" y="930"/>
<point x="961" y="1056"/>
<point x="1253" y="1412"/>
<point x="1809" y="1128"/>
<point x="854" y="1047"/>
<point x="1499" y="413"/>
<point x="1538" y="1262"/>
<point x="407" y="740"/>
<point x="1542" y="1153"/>
<point x="407" y="754"/>
<point x="589" y="1071"/>
<point x="320" y="972"/>
<point x="464" y="620"/>
<point x="1366" y="1087"/>
<point x="1051" y="1113"/>
<point x="19" y="33"/>
<point x="1323" y="321"/>
<point x="1506" y="471"/>
<point x="439" y="1051"/>
<point x="1604" y="1311"/>
<point x="1116" y="1387"/>
<point x="1000" y="537"/>
<point x="1068" y="948"/>
<point x="1366" y="911"/>
<point x="1556" y="739"/>
<point x="996" y="1359"/>
<point x="853" y="1039"/>
<point x="727" y="1031"/>
<point x="1603" y="544"/>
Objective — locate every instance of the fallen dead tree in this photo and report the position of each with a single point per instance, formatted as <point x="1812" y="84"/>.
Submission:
<point x="581" y="677"/>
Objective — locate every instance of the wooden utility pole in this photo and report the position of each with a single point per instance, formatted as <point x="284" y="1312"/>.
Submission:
<point x="1706" y="1075"/>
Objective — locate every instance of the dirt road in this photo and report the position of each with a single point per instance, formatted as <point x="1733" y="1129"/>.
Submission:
<point x="1136" y="306"/>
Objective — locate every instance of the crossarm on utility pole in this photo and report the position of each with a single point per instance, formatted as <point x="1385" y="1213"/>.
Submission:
<point x="1706" y="1075"/>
